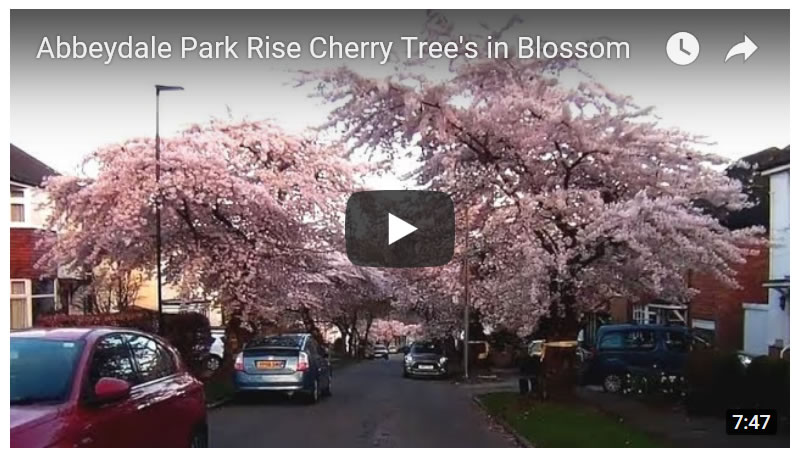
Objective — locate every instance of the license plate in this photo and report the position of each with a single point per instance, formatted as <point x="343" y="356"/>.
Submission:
<point x="269" y="364"/>
<point x="425" y="366"/>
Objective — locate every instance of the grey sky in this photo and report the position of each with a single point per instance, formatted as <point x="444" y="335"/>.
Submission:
<point x="60" y="110"/>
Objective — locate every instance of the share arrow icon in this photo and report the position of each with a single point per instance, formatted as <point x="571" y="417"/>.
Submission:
<point x="747" y="47"/>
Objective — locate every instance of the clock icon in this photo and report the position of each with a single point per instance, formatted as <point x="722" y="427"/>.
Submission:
<point x="682" y="48"/>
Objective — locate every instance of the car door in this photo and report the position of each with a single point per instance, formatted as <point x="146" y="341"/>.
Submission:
<point x="674" y="350"/>
<point x="641" y="348"/>
<point x="159" y="393"/>
<point x="113" y="424"/>
<point x="611" y="355"/>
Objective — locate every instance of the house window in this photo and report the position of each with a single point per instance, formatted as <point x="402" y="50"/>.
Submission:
<point x="43" y="297"/>
<point x="704" y="330"/>
<point x="644" y="314"/>
<point x="19" y="304"/>
<point x="18" y="204"/>
<point x="30" y="299"/>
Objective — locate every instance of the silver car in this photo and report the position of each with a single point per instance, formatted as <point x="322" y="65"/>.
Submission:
<point x="290" y="363"/>
<point x="425" y="359"/>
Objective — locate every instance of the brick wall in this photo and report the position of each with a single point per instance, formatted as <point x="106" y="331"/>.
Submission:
<point x="722" y="304"/>
<point x="24" y="252"/>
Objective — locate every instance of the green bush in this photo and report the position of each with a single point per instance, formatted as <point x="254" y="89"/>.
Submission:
<point x="767" y="384"/>
<point x="718" y="381"/>
<point x="141" y="319"/>
<point x="189" y="332"/>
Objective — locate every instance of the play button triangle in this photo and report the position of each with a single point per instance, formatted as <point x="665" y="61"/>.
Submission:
<point x="397" y="229"/>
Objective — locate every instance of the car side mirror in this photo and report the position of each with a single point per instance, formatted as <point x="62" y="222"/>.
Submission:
<point x="110" y="389"/>
<point x="405" y="350"/>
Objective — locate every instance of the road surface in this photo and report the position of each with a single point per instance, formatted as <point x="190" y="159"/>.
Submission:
<point x="372" y="406"/>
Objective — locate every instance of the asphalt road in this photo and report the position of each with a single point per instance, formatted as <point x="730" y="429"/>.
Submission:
<point x="372" y="406"/>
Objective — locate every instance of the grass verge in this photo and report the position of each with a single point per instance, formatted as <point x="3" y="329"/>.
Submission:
<point x="556" y="425"/>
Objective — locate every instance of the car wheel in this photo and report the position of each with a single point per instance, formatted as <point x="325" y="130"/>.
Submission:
<point x="612" y="383"/>
<point x="199" y="437"/>
<point x="328" y="390"/>
<point x="315" y="393"/>
<point x="212" y="363"/>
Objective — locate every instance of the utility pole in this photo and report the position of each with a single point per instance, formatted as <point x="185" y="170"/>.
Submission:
<point x="466" y="291"/>
<point x="158" y="89"/>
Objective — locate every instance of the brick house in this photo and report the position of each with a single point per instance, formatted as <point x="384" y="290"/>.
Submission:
<point x="33" y="291"/>
<point x="767" y="325"/>
<point x="717" y="312"/>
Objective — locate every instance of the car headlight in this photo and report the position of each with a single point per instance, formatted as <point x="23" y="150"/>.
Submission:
<point x="408" y="359"/>
<point x="443" y="360"/>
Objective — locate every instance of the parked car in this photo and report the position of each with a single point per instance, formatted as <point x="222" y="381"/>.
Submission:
<point x="102" y="387"/>
<point x="380" y="351"/>
<point x="394" y="349"/>
<point x="621" y="349"/>
<point x="289" y="363"/>
<point x="215" y="356"/>
<point x="425" y="359"/>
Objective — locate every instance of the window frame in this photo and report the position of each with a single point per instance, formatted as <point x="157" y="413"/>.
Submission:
<point x="27" y="296"/>
<point x="161" y="348"/>
<point x="54" y="296"/>
<point x="25" y="201"/>
<point x="86" y="391"/>
<point x="699" y="326"/>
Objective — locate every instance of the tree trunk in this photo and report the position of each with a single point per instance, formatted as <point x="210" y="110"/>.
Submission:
<point x="559" y="368"/>
<point x="312" y="328"/>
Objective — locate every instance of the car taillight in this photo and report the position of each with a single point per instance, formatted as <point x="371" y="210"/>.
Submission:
<point x="303" y="362"/>
<point x="239" y="362"/>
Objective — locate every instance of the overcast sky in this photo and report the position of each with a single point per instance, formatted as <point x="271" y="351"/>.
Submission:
<point x="60" y="110"/>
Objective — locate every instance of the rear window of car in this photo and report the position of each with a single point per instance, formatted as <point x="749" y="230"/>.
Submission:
<point x="277" y="341"/>
<point x="42" y="370"/>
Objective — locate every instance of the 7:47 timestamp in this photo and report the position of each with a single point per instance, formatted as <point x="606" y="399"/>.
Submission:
<point x="751" y="421"/>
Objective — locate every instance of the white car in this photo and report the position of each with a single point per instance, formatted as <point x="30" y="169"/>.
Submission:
<point x="216" y="355"/>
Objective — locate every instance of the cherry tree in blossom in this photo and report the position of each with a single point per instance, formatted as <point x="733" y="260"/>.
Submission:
<point x="249" y="212"/>
<point x="388" y="330"/>
<point x="575" y="194"/>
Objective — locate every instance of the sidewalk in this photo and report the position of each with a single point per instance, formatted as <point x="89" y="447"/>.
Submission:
<point x="677" y="427"/>
<point x="490" y="381"/>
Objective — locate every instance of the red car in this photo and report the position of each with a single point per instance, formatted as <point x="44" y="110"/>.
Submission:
<point x="102" y="387"/>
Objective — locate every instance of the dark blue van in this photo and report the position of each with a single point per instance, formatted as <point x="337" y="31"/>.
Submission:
<point x="620" y="349"/>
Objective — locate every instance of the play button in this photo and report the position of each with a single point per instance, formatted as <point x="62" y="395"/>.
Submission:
<point x="399" y="229"/>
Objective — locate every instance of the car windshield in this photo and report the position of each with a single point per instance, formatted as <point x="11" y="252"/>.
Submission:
<point x="277" y="341"/>
<point x="42" y="370"/>
<point x="426" y="348"/>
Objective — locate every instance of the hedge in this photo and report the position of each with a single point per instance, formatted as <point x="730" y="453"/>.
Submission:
<point x="189" y="332"/>
<point x="718" y="381"/>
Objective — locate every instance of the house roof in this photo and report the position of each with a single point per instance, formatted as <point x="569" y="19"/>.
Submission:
<point x="27" y="169"/>
<point x="755" y="185"/>
<point x="769" y="158"/>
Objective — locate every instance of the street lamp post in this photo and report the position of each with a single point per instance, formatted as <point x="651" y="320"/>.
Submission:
<point x="466" y="291"/>
<point x="158" y="89"/>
